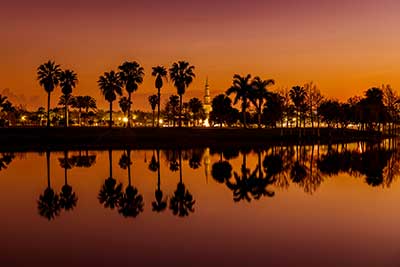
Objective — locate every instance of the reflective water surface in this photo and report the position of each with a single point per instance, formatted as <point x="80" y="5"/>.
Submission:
<point x="269" y="206"/>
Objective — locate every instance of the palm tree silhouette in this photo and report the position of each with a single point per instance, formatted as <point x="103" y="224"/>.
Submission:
<point x="154" y="164"/>
<point x="153" y="100"/>
<point x="160" y="203"/>
<point x="182" y="202"/>
<point x="259" y="94"/>
<point x="48" y="75"/>
<point x="68" y="198"/>
<point x="124" y="104"/>
<point x="110" y="85"/>
<point x="111" y="192"/>
<point x="196" y="107"/>
<point x="298" y="96"/>
<point x="241" y="187"/>
<point x="49" y="202"/>
<point x="87" y="103"/>
<point x="68" y="81"/>
<point x="131" y="75"/>
<point x="259" y="182"/>
<point x="182" y="75"/>
<point x="241" y="87"/>
<point x="131" y="202"/>
<point x="160" y="72"/>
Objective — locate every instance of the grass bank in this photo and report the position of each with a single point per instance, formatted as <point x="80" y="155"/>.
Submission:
<point x="100" y="138"/>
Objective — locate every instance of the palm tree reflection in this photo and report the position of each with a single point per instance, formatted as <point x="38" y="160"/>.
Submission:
<point x="49" y="202"/>
<point x="110" y="192"/>
<point x="131" y="202"/>
<point x="182" y="202"/>
<point x="68" y="198"/>
<point x="160" y="203"/>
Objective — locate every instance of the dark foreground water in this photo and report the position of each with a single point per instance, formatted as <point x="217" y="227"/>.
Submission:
<point x="268" y="206"/>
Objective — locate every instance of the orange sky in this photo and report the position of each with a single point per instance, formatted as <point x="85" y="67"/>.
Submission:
<point x="344" y="46"/>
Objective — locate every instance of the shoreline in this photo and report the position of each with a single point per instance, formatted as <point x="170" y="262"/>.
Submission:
<point x="59" y="138"/>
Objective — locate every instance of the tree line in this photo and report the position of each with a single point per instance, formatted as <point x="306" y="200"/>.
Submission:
<point x="299" y="107"/>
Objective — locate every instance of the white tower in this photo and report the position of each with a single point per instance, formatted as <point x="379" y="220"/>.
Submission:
<point x="207" y="103"/>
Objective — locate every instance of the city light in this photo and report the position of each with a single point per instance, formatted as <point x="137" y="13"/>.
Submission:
<point x="125" y="119"/>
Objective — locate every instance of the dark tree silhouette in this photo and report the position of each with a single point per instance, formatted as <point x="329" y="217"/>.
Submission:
<point x="298" y="96"/>
<point x="160" y="72"/>
<point x="241" y="87"/>
<point x="110" y="85"/>
<point x="131" y="76"/>
<point x="181" y="74"/>
<point x="68" y="81"/>
<point x="48" y="75"/>
<point x="259" y="94"/>
<point x="221" y="171"/>
<point x="153" y="100"/>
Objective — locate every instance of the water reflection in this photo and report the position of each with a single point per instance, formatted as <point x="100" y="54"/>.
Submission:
<point x="271" y="170"/>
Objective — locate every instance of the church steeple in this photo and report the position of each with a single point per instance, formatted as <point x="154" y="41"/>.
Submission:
<point x="207" y="103"/>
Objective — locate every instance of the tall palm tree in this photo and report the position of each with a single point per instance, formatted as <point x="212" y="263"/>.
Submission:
<point x="160" y="72"/>
<point x="160" y="203"/>
<point x="259" y="94"/>
<point x="131" y="75"/>
<point x="131" y="202"/>
<point x="153" y="100"/>
<point x="49" y="202"/>
<point x="241" y="87"/>
<point x="48" y="75"/>
<point x="111" y="192"/>
<point x="182" y="75"/>
<point x="110" y="86"/>
<point x="68" y="198"/>
<point x="87" y="103"/>
<point x="68" y="81"/>
<point x="182" y="202"/>
<point x="298" y="95"/>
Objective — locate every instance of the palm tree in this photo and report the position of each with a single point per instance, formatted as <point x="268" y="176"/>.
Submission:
<point x="48" y="75"/>
<point x="182" y="202"/>
<point x="131" y="75"/>
<point x="111" y="192"/>
<point x="160" y="203"/>
<point x="110" y="85"/>
<point x="87" y="103"/>
<point x="153" y="100"/>
<point x="68" y="198"/>
<point x="160" y="72"/>
<point x="182" y="75"/>
<point x="68" y="81"/>
<point x="298" y="96"/>
<point x="241" y="87"/>
<point x="259" y="94"/>
<point x="172" y="108"/>
<point x="131" y="202"/>
<point x="49" y="202"/>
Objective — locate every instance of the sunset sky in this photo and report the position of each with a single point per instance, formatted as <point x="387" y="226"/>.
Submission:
<point x="345" y="46"/>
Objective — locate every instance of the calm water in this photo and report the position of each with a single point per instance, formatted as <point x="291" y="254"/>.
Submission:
<point x="271" y="206"/>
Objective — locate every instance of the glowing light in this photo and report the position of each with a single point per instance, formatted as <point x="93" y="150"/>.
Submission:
<point x="206" y="123"/>
<point x="23" y="118"/>
<point x="125" y="119"/>
<point x="160" y="121"/>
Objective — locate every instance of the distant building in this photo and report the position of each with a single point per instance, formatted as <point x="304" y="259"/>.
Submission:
<point x="207" y="103"/>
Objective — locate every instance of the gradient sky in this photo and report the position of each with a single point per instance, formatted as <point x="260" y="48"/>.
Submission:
<point x="344" y="46"/>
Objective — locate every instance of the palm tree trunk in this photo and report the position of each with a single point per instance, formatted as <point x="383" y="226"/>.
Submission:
<point x="48" y="109"/>
<point x="180" y="166"/>
<point x="110" y="161"/>
<point x="158" y="170"/>
<point x="66" y="115"/>
<point x="153" y="117"/>
<point x="129" y="110"/>
<point x="79" y="115"/>
<point x="129" y="166"/>
<point x="111" y="115"/>
<point x="48" y="168"/>
<point x="180" y="110"/>
<point x="65" y="167"/>
<point x="158" y="107"/>
<point x="244" y="113"/>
